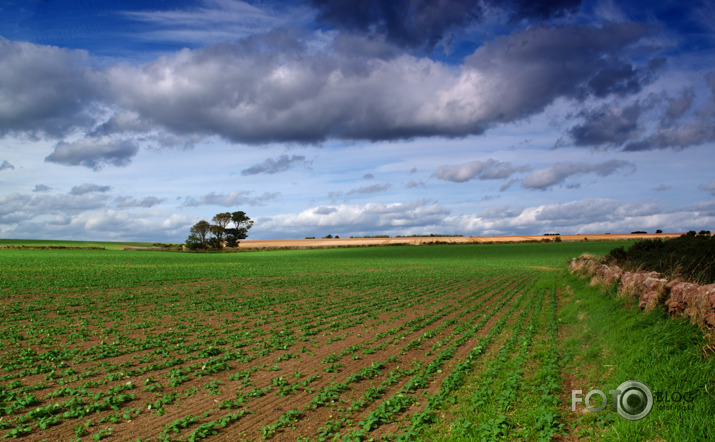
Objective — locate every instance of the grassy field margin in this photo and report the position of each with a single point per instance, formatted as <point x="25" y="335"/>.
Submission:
<point x="607" y="340"/>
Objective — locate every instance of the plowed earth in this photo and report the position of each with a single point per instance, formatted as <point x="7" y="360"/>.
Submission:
<point x="309" y="356"/>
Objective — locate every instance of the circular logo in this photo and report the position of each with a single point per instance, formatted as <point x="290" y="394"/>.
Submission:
<point x="635" y="401"/>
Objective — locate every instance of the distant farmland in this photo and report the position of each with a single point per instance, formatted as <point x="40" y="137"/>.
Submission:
<point x="388" y="343"/>
<point x="420" y="240"/>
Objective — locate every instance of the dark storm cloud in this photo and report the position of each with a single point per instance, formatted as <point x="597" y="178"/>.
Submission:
<point x="607" y="125"/>
<point x="558" y="173"/>
<point x="271" y="166"/>
<point x="94" y="153"/>
<point x="529" y="70"/>
<point x="679" y="122"/>
<point x="424" y="23"/>
<point x="622" y="78"/>
<point x="482" y="170"/>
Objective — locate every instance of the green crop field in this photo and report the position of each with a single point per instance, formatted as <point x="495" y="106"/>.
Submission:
<point x="451" y="342"/>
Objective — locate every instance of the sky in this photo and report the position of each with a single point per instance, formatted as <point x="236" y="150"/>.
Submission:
<point x="133" y="120"/>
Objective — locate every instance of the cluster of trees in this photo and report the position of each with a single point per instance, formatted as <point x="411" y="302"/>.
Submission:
<point x="226" y="231"/>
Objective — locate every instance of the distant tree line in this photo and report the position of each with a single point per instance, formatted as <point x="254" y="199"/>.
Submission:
<point x="226" y="231"/>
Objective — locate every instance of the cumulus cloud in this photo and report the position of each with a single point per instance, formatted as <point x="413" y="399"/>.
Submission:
<point x="45" y="90"/>
<point x="121" y="225"/>
<point x="558" y="173"/>
<point x="286" y="86"/>
<point x="6" y="166"/>
<point x="482" y="170"/>
<point x="591" y="215"/>
<point x="85" y="188"/>
<point x="85" y="213"/>
<point x="94" y="153"/>
<point x="275" y="87"/>
<point x="232" y="199"/>
<point x="271" y="166"/>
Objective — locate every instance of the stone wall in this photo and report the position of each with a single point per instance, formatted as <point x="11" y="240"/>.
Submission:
<point x="653" y="290"/>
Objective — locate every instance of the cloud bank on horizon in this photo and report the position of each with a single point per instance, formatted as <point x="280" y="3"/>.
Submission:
<point x="133" y="122"/>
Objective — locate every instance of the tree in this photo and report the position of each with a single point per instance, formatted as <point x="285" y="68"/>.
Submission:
<point x="199" y="235"/>
<point x="218" y="228"/>
<point x="241" y="224"/>
<point x="201" y="230"/>
<point x="203" y="234"/>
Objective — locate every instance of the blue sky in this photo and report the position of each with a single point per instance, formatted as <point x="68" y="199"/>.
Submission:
<point x="133" y="120"/>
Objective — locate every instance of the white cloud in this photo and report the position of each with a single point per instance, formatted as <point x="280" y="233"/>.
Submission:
<point x="353" y="219"/>
<point x="213" y="21"/>
<point x="146" y="202"/>
<point x="482" y="170"/>
<point x="232" y="199"/>
<point x="558" y="173"/>
<point x="591" y="215"/>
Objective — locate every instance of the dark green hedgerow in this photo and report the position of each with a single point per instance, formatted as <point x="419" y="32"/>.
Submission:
<point x="688" y="257"/>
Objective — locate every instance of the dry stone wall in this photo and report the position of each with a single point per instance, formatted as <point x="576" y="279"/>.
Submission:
<point x="653" y="290"/>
